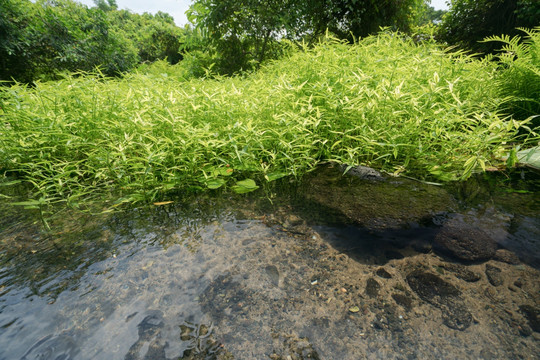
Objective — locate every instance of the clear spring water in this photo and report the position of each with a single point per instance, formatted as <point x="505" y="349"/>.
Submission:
<point x="226" y="277"/>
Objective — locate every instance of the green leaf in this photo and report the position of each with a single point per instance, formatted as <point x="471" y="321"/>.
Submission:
<point x="227" y="171"/>
<point x="512" y="159"/>
<point x="274" y="176"/>
<point x="215" y="183"/>
<point x="245" y="186"/>
<point x="10" y="183"/>
<point x="529" y="157"/>
<point x="28" y="203"/>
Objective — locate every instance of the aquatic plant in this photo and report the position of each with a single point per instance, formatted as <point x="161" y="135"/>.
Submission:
<point x="385" y="102"/>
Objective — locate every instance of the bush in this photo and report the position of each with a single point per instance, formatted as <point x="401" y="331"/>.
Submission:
<point x="470" y="21"/>
<point x="385" y="102"/>
<point x="520" y="76"/>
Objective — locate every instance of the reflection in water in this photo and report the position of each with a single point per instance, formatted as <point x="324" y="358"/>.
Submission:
<point x="301" y="277"/>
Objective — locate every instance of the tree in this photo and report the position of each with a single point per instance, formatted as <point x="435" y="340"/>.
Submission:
<point x="156" y="37"/>
<point x="470" y="21"/>
<point x="67" y="36"/>
<point x="15" y="40"/>
<point x="108" y="5"/>
<point x="39" y="39"/>
<point x="247" y="31"/>
<point x="431" y="16"/>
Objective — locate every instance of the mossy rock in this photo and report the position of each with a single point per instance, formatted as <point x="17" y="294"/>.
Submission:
<point x="392" y="203"/>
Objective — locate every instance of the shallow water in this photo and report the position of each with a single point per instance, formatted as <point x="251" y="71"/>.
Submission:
<point x="296" y="278"/>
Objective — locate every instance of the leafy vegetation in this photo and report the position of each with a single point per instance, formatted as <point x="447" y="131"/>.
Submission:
<point x="520" y="74"/>
<point x="386" y="102"/>
<point x="470" y="21"/>
<point x="245" y="33"/>
<point x="40" y="39"/>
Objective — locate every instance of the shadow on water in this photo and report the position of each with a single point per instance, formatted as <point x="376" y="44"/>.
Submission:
<point x="331" y="267"/>
<point x="376" y="220"/>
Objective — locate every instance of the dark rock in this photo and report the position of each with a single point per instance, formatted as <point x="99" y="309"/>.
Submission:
<point x="493" y="274"/>
<point x="533" y="316"/>
<point x="525" y="330"/>
<point x="291" y="347"/>
<point x="403" y="300"/>
<point x="273" y="274"/>
<point x="430" y="287"/>
<point x="456" y="315"/>
<point x="442" y="295"/>
<point x="150" y="342"/>
<point x="362" y="172"/>
<point x="372" y="287"/>
<point x="374" y="205"/>
<point x="487" y="354"/>
<point x="461" y="272"/>
<point x="464" y="242"/>
<point x="383" y="273"/>
<point x="393" y="254"/>
<point x="422" y="247"/>
<point x="388" y="319"/>
<point x="506" y="256"/>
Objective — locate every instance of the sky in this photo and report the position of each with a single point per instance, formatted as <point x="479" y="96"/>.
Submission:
<point x="440" y="4"/>
<point x="177" y="8"/>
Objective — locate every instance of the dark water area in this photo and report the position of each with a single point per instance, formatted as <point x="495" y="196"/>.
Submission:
<point x="335" y="267"/>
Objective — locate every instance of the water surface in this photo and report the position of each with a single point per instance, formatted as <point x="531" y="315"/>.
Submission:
<point x="227" y="277"/>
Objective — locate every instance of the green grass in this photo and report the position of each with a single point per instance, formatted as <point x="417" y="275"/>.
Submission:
<point x="386" y="102"/>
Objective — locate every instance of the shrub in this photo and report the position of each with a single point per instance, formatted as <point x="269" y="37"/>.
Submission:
<point x="520" y="75"/>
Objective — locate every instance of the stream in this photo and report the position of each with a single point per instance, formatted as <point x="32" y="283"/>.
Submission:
<point x="335" y="266"/>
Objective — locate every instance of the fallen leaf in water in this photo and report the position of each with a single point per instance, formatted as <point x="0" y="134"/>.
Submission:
<point x="163" y="203"/>
<point x="354" y="309"/>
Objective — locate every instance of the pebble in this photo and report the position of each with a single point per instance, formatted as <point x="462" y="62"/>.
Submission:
<point x="493" y="274"/>
<point x="381" y="272"/>
<point x="372" y="287"/>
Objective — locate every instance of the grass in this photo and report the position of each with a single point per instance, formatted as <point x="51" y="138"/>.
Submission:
<point x="385" y="102"/>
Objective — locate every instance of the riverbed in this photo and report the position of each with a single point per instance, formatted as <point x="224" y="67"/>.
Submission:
<point x="331" y="267"/>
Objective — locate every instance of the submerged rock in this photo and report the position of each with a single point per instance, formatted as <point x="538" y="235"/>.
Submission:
<point x="381" y="272"/>
<point x="273" y="274"/>
<point x="506" y="256"/>
<point x="403" y="300"/>
<point x="461" y="272"/>
<point x="493" y="274"/>
<point x="393" y="255"/>
<point x="397" y="203"/>
<point x="372" y="287"/>
<point x="464" y="242"/>
<point x="533" y="316"/>
<point x="443" y="295"/>
<point x="362" y="172"/>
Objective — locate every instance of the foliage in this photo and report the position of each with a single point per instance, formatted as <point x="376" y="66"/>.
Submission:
<point x="44" y="38"/>
<point x="470" y="21"/>
<point x="156" y="37"/>
<point x="520" y="75"/>
<point x="245" y="33"/>
<point x="385" y="102"/>
<point x="429" y="15"/>
<point x="15" y="47"/>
